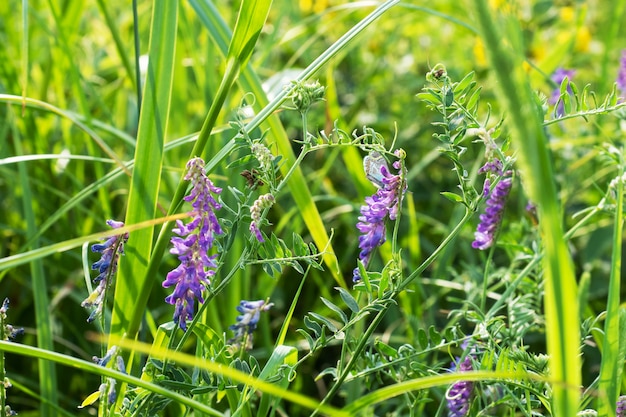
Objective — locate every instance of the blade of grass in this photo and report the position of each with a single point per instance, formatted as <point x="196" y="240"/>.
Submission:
<point x="47" y="370"/>
<point x="560" y="299"/>
<point x="55" y="357"/>
<point x="610" y="374"/>
<point x="132" y="279"/>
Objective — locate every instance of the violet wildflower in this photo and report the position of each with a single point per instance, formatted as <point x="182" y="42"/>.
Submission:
<point x="194" y="241"/>
<point x="557" y="77"/>
<point x="492" y="217"/>
<point x="108" y="387"/>
<point x="248" y="320"/>
<point x="263" y="202"/>
<point x="383" y="204"/>
<point x="459" y="394"/>
<point x="621" y="75"/>
<point x="111" y="250"/>
<point x="621" y="406"/>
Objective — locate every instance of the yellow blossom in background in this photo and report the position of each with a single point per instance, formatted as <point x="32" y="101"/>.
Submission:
<point x="480" y="58"/>
<point x="313" y="6"/>
<point x="583" y="39"/>
<point x="567" y="14"/>
<point x="503" y="6"/>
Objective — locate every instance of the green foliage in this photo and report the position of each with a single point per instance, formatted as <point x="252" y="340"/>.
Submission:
<point x="295" y="107"/>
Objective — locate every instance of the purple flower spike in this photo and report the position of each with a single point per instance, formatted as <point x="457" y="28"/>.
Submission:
<point x="558" y="77"/>
<point x="256" y="210"/>
<point x="385" y="203"/>
<point x="492" y="217"/>
<point x="192" y="245"/>
<point x="621" y="406"/>
<point x="248" y="320"/>
<point x="106" y="266"/>
<point x="459" y="394"/>
<point x="621" y="75"/>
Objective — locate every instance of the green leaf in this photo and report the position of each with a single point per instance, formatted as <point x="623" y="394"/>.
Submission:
<point x="464" y="83"/>
<point x="250" y="21"/>
<point x="455" y="198"/>
<point x="329" y="324"/>
<point x="348" y="299"/>
<point x="336" y="309"/>
<point x="133" y="283"/>
<point x="435" y="337"/>
<point x="385" y="349"/>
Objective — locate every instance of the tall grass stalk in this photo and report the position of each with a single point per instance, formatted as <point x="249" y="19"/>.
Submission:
<point x="610" y="374"/>
<point x="560" y="299"/>
<point x="47" y="370"/>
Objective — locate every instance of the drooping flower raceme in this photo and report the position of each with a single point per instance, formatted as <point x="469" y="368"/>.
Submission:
<point x="119" y="365"/>
<point x="378" y="207"/>
<point x="111" y="250"/>
<point x="248" y="320"/>
<point x="193" y="244"/>
<point x="263" y="202"/>
<point x="492" y="217"/>
<point x="7" y="332"/>
<point x="557" y="77"/>
<point x="459" y="394"/>
<point x="621" y="406"/>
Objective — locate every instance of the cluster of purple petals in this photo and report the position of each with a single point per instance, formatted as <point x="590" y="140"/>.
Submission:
<point x="621" y="75"/>
<point x="385" y="203"/>
<point x="111" y="249"/>
<point x="192" y="245"/>
<point x="621" y="406"/>
<point x="492" y="217"/>
<point x="256" y="210"/>
<point x="557" y="77"/>
<point x="459" y="394"/>
<point x="249" y="318"/>
<point x="111" y="393"/>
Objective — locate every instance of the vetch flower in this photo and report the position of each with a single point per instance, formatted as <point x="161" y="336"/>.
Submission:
<point x="108" y="387"/>
<point x="7" y="331"/>
<point x="192" y="245"/>
<point x="383" y="204"/>
<point x="621" y="75"/>
<point x="248" y="320"/>
<point x="263" y="202"/>
<point x="587" y="413"/>
<point x="459" y="394"/>
<point x="111" y="250"/>
<point x="621" y="406"/>
<point x="263" y="155"/>
<point x="557" y="77"/>
<point x="492" y="217"/>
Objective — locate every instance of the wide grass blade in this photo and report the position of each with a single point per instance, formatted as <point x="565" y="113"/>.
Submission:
<point x="560" y="299"/>
<point x="47" y="370"/>
<point x="133" y="280"/>
<point x="610" y="371"/>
